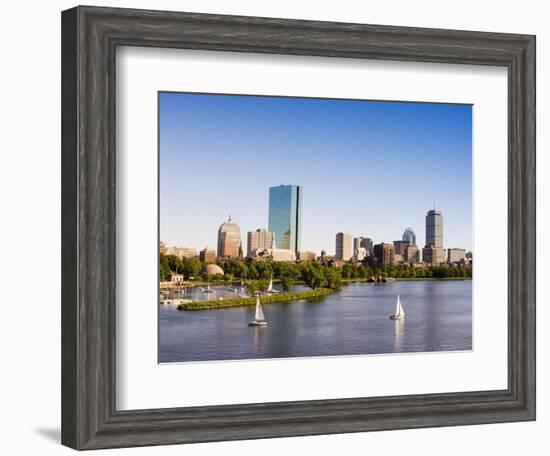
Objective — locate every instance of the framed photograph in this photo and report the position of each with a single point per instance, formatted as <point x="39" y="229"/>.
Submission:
<point x="279" y="228"/>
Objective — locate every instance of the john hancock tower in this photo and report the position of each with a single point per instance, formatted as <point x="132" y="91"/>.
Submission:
<point x="285" y="203"/>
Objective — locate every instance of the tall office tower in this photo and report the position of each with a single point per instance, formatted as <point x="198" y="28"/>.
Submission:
<point x="357" y="243"/>
<point x="259" y="240"/>
<point x="285" y="202"/>
<point x="434" y="229"/>
<point x="229" y="240"/>
<point x="409" y="235"/>
<point x="344" y="247"/>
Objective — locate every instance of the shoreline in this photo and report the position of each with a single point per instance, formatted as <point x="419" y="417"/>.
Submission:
<point x="251" y="301"/>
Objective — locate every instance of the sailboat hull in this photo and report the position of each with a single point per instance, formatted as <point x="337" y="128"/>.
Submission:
<point x="397" y="317"/>
<point x="258" y="323"/>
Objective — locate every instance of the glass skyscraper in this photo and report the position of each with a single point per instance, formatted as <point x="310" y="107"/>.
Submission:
<point x="409" y="235"/>
<point x="285" y="203"/>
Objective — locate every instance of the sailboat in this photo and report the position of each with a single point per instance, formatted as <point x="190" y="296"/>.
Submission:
<point x="259" y="319"/>
<point x="399" y="312"/>
<point x="270" y="288"/>
<point x="207" y="289"/>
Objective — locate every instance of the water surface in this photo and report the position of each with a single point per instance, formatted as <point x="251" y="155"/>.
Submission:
<point x="355" y="320"/>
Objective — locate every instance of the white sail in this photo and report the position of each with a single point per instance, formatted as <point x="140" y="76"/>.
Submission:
<point x="397" y="307"/>
<point x="270" y="287"/>
<point x="259" y="312"/>
<point x="401" y="311"/>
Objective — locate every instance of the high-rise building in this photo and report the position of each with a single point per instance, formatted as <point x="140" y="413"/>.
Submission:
<point x="259" y="240"/>
<point x="409" y="235"/>
<point x="285" y="222"/>
<point x="384" y="253"/>
<point x="400" y="247"/>
<point x="207" y="255"/>
<point x="363" y="242"/>
<point x="456" y="255"/>
<point x="344" y="247"/>
<point x="229" y="240"/>
<point x="434" y="229"/>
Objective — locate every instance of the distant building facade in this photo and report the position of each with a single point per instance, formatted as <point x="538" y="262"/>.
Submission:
<point x="400" y="247"/>
<point x="285" y="202"/>
<point x="162" y="247"/>
<point x="181" y="252"/>
<point x="229" y="240"/>
<point x="384" y="253"/>
<point x="259" y="240"/>
<point x="434" y="229"/>
<point x="344" y="247"/>
<point x="433" y="255"/>
<point x="409" y="235"/>
<point x="456" y="255"/>
<point x="207" y="255"/>
<point x="360" y="253"/>
<point x="412" y="254"/>
<point x="307" y="256"/>
<point x="282" y="254"/>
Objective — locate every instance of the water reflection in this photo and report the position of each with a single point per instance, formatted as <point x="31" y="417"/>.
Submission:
<point x="398" y="333"/>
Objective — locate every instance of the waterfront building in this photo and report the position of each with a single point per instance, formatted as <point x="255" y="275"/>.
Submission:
<point x="229" y="240"/>
<point x="412" y="254"/>
<point x="207" y="255"/>
<point x="176" y="278"/>
<point x="456" y="255"/>
<point x="384" y="253"/>
<point x="307" y="256"/>
<point x="181" y="252"/>
<point x="282" y="255"/>
<point x="400" y="247"/>
<point x="409" y="235"/>
<point x="397" y="258"/>
<point x="344" y="248"/>
<point x="259" y="240"/>
<point x="434" y="229"/>
<point x="285" y="222"/>
<point x="360" y="253"/>
<point x="433" y="255"/>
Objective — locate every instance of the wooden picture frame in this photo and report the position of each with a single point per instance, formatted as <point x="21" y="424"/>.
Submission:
<point x="90" y="36"/>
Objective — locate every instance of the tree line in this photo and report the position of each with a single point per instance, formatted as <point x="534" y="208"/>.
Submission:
<point x="314" y="274"/>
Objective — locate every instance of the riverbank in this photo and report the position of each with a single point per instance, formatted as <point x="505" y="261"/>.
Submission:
<point x="251" y="301"/>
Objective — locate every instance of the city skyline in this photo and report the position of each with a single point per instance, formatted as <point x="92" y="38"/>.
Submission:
<point x="362" y="179"/>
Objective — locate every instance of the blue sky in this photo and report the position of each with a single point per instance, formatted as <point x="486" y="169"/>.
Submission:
<point x="366" y="168"/>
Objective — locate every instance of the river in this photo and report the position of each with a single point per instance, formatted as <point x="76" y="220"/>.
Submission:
<point x="352" y="321"/>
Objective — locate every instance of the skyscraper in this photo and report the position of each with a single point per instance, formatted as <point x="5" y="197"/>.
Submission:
<point x="285" y="202"/>
<point x="344" y="247"/>
<point x="433" y="252"/>
<point x="434" y="229"/>
<point x="409" y="235"/>
<point x="258" y="240"/>
<point x="229" y="240"/>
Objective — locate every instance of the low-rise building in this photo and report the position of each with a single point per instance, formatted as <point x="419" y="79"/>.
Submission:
<point x="400" y="247"/>
<point x="281" y="254"/>
<point x="207" y="255"/>
<point x="456" y="255"/>
<point x="412" y="254"/>
<point x="433" y="255"/>
<point x="181" y="252"/>
<point x="307" y="256"/>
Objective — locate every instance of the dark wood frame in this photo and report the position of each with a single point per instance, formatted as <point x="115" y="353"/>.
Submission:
<point x="90" y="36"/>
